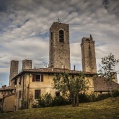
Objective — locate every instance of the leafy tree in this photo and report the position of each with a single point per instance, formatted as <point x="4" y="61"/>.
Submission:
<point x="108" y="65"/>
<point x="70" y="85"/>
<point x="107" y="68"/>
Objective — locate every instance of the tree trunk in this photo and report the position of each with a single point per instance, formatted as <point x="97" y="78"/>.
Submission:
<point x="77" y="100"/>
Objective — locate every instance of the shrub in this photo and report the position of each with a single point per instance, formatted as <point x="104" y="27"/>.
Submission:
<point x="35" y="104"/>
<point x="24" y="104"/>
<point x="92" y="97"/>
<point x="59" y="100"/>
<point x="45" y="100"/>
<point x="103" y="96"/>
<point x="83" y="98"/>
<point x="115" y="93"/>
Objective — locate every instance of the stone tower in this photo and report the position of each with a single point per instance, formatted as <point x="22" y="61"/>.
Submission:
<point x="59" y="53"/>
<point x="88" y="55"/>
<point x="13" y="69"/>
<point x="26" y="64"/>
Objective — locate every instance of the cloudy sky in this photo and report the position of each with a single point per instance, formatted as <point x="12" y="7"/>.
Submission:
<point x="24" y="29"/>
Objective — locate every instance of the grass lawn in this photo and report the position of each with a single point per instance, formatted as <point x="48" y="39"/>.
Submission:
<point x="106" y="109"/>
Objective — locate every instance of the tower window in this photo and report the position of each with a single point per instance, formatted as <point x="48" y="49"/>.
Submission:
<point x="61" y="36"/>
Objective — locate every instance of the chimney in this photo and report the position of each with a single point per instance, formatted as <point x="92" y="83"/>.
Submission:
<point x="74" y="67"/>
<point x="4" y="86"/>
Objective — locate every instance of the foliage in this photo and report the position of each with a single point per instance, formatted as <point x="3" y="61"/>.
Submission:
<point x="92" y="97"/>
<point x="59" y="100"/>
<point x="83" y="98"/>
<point x="107" y="67"/>
<point x="103" y="96"/>
<point x="70" y="85"/>
<point x="115" y="93"/>
<point x="35" y="104"/>
<point x="24" y="104"/>
<point x="45" y="100"/>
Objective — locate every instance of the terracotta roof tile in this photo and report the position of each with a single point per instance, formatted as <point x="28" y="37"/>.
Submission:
<point x="101" y="85"/>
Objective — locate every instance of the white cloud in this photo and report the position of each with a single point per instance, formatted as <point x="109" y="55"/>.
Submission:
<point x="24" y="27"/>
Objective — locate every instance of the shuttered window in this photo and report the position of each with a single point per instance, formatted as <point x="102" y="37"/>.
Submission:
<point x="37" y="94"/>
<point x="37" y="78"/>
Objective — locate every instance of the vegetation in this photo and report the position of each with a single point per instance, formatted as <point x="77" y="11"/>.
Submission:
<point x="48" y="101"/>
<point x="107" y="67"/>
<point x="106" y="109"/>
<point x="70" y="86"/>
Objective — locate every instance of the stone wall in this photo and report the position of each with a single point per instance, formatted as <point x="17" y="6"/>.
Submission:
<point x="26" y="64"/>
<point x="88" y="55"/>
<point x="13" y="69"/>
<point x="9" y="103"/>
<point x="59" y="53"/>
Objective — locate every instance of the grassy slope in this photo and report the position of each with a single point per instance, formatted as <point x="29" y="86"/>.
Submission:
<point x="106" y="109"/>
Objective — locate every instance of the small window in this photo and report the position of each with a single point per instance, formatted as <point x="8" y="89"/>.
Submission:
<point x="19" y="94"/>
<point x="37" y="94"/>
<point x="37" y="78"/>
<point x="57" y="93"/>
<point x="61" y="36"/>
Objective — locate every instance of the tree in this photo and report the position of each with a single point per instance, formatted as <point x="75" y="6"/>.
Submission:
<point x="70" y="85"/>
<point x="107" y="68"/>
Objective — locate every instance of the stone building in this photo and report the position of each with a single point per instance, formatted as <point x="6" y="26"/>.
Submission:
<point x="32" y="83"/>
<point x="26" y="64"/>
<point x="5" y="94"/>
<point x="13" y="69"/>
<point x="59" y="52"/>
<point x="88" y="55"/>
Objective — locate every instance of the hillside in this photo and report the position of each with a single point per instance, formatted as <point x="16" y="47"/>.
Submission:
<point x="106" y="109"/>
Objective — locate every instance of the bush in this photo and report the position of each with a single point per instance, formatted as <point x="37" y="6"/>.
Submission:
<point x="45" y="100"/>
<point x="103" y="96"/>
<point x="83" y="98"/>
<point x="92" y="97"/>
<point x="115" y="93"/>
<point x="24" y="104"/>
<point x="35" y="104"/>
<point x="59" y="100"/>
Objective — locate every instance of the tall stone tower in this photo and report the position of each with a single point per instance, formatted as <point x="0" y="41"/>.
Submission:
<point x="59" y="53"/>
<point x="88" y="55"/>
<point x="26" y="64"/>
<point x="13" y="69"/>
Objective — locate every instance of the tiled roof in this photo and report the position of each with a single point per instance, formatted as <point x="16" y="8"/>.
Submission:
<point x="7" y="88"/>
<point x="101" y="85"/>
<point x="52" y="70"/>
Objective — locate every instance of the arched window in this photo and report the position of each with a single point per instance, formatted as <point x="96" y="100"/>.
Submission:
<point x="61" y="36"/>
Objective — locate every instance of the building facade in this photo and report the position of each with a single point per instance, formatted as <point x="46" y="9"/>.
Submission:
<point x="33" y="83"/>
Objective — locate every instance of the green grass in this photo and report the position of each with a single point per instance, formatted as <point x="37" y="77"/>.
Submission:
<point x="106" y="109"/>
